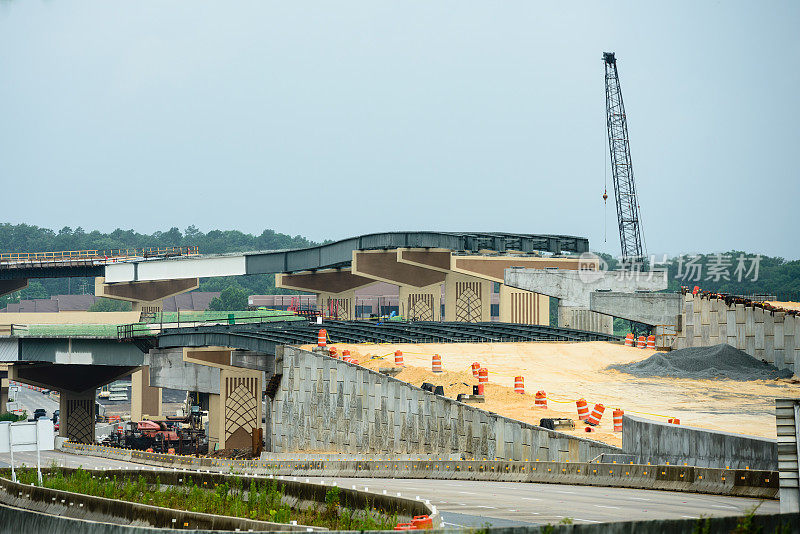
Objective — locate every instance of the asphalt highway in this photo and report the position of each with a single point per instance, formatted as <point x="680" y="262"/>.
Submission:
<point x="473" y="503"/>
<point x="29" y="400"/>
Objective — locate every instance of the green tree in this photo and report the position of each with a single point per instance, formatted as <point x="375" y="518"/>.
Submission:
<point x="232" y="298"/>
<point x="110" y="305"/>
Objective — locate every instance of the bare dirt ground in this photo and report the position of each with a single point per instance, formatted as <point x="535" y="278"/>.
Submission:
<point x="785" y="305"/>
<point x="569" y="371"/>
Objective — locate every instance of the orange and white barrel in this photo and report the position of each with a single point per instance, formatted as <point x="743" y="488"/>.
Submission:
<point x="651" y="342"/>
<point x="519" y="385"/>
<point x="583" y="409"/>
<point x="345" y="353"/>
<point x="596" y="415"/>
<point x="322" y="338"/>
<point x="618" y="420"/>
<point x="629" y="340"/>
<point x="483" y="375"/>
<point x="475" y="368"/>
<point x="540" y="400"/>
<point x="642" y="343"/>
<point x="333" y="353"/>
<point x="436" y="363"/>
<point x="398" y="358"/>
<point x="674" y="421"/>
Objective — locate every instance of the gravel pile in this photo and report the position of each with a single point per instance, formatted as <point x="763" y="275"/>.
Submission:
<point x="718" y="361"/>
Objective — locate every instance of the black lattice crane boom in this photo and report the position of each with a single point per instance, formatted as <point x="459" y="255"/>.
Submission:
<point x="628" y="214"/>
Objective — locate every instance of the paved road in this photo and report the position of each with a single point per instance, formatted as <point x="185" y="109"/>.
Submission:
<point x="29" y="400"/>
<point x="470" y="503"/>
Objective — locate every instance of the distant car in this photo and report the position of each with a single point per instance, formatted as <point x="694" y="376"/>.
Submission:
<point x="39" y="412"/>
<point x="46" y="391"/>
<point x="56" y="413"/>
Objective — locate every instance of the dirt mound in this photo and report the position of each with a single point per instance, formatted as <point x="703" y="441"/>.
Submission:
<point x="718" y="361"/>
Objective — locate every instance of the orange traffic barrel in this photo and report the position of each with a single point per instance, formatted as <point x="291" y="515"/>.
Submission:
<point x="541" y="399"/>
<point x="170" y="451"/>
<point x="322" y="338"/>
<point x="405" y="526"/>
<point x="477" y="390"/>
<point x="583" y="409"/>
<point x="475" y="368"/>
<point x="332" y="352"/>
<point x="149" y="449"/>
<point x="398" y="358"/>
<point x="519" y="385"/>
<point x="436" y="363"/>
<point x="345" y="353"/>
<point x="422" y="522"/>
<point x="651" y="342"/>
<point x="346" y="358"/>
<point x="618" y="420"/>
<point x="596" y="415"/>
<point x="629" y="340"/>
<point x="674" y="421"/>
<point x="642" y="343"/>
<point x="483" y="374"/>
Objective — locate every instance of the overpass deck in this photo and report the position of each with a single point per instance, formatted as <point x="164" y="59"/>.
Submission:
<point x="265" y="337"/>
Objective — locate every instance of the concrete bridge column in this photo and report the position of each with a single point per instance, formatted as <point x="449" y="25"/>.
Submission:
<point x="145" y="399"/>
<point x="421" y="303"/>
<point x="467" y="299"/>
<point x="3" y="394"/>
<point x="523" y="307"/>
<point x="77" y="417"/>
<point x="340" y="306"/>
<point x="236" y="411"/>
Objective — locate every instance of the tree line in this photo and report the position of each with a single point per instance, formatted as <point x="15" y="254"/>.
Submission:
<point x="734" y="272"/>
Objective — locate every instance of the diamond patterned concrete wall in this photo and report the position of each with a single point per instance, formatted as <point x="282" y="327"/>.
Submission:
<point x="242" y="394"/>
<point x="79" y="419"/>
<point x="329" y="405"/>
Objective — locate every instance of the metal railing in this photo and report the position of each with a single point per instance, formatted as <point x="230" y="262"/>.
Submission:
<point x="105" y="256"/>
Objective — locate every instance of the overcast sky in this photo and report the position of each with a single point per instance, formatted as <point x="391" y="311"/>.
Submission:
<point x="333" y="119"/>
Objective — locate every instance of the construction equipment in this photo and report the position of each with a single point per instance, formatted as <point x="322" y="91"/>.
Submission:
<point x="628" y="214"/>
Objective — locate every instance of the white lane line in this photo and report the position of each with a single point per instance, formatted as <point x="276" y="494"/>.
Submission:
<point x="604" y="506"/>
<point x="484" y="506"/>
<point x="588" y="520"/>
<point x="689" y="516"/>
<point x="724" y="506"/>
<point x="468" y="492"/>
<point x="570" y="492"/>
<point x="638" y="498"/>
<point x="530" y="498"/>
<point x="453" y="524"/>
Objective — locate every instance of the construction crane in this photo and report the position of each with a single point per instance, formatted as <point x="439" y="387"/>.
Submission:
<point x="628" y="214"/>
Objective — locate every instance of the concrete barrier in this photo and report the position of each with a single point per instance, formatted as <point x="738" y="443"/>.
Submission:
<point x="328" y="404"/>
<point x="661" y="443"/>
<point x="19" y="520"/>
<point x="744" y="483"/>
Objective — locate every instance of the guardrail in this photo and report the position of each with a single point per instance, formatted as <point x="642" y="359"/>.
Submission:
<point x="106" y="256"/>
<point x="137" y="330"/>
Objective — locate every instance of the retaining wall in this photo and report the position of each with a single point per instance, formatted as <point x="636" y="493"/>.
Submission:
<point x="660" y="443"/>
<point x="325" y="404"/>
<point x="744" y="483"/>
<point x="766" y="335"/>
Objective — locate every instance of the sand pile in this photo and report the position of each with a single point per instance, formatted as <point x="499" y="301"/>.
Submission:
<point x="719" y="361"/>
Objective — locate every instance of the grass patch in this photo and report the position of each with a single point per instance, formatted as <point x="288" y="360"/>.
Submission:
<point x="8" y="416"/>
<point x="263" y="500"/>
